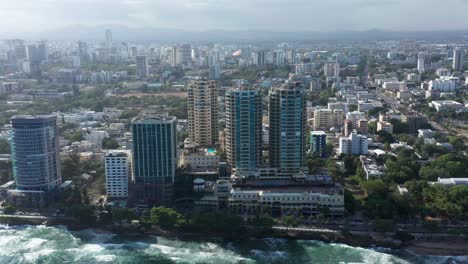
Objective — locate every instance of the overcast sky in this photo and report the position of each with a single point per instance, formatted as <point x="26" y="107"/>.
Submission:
<point x="273" y="15"/>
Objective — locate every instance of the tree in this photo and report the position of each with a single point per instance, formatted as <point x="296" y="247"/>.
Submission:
<point x="264" y="222"/>
<point x="4" y="147"/>
<point x="430" y="226"/>
<point x="289" y="221"/>
<point x="9" y="209"/>
<point x="110" y="143"/>
<point x="383" y="225"/>
<point x="84" y="214"/>
<point x="166" y="217"/>
<point x="349" y="201"/>
<point x="121" y="214"/>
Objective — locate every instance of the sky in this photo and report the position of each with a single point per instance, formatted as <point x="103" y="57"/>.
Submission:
<point x="269" y="15"/>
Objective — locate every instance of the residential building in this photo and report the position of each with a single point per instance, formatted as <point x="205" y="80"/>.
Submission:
<point x="448" y="105"/>
<point x="318" y="144"/>
<point x="214" y="73"/>
<point x="244" y="128"/>
<point x="287" y="116"/>
<point x="118" y="171"/>
<point x="326" y="119"/>
<point x="414" y="121"/>
<point x="444" y="84"/>
<point x="355" y="144"/>
<point x="203" y="112"/>
<point x="421" y="62"/>
<point x="142" y="66"/>
<point x="458" y="59"/>
<point x="385" y="126"/>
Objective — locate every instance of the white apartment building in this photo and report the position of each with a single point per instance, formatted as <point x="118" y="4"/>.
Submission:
<point x="355" y="144"/>
<point x="446" y="105"/>
<point x="444" y="84"/>
<point x="118" y="171"/>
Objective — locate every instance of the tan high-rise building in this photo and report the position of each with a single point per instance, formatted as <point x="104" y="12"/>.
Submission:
<point x="325" y="119"/>
<point x="203" y="112"/>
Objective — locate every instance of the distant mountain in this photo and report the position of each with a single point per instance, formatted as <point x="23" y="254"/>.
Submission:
<point x="123" y="33"/>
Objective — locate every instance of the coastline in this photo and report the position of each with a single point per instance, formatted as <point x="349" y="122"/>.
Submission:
<point x="448" y="246"/>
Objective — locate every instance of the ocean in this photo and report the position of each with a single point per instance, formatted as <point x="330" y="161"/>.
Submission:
<point x="49" y="245"/>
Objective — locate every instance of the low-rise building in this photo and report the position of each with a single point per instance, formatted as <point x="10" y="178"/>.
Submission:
<point x="450" y="181"/>
<point x="385" y="126"/>
<point x="446" y="105"/>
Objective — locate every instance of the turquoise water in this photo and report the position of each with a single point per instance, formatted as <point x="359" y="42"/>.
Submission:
<point x="28" y="244"/>
<point x="211" y="150"/>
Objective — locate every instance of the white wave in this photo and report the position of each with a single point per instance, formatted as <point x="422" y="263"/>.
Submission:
<point x="5" y="227"/>
<point x="34" y="243"/>
<point x="105" y="258"/>
<point x="92" y="248"/>
<point x="269" y="255"/>
<point x="34" y="256"/>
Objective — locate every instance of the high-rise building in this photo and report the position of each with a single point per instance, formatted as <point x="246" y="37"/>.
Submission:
<point x="458" y="59"/>
<point x="261" y="57"/>
<point x="154" y="158"/>
<point x="215" y="72"/>
<point x="287" y="113"/>
<point x="244" y="129"/>
<point x="421" y="62"/>
<point x="142" y="66"/>
<point x="108" y="38"/>
<point x="348" y="127"/>
<point x="35" y="152"/>
<point x="21" y="52"/>
<point x="326" y="119"/>
<point x="318" y="144"/>
<point x="363" y="126"/>
<point x="33" y="53"/>
<point x="331" y="69"/>
<point x="186" y="53"/>
<point x="203" y="112"/>
<point x="118" y="171"/>
<point x="355" y="144"/>
<point x="414" y="122"/>
<point x="42" y="49"/>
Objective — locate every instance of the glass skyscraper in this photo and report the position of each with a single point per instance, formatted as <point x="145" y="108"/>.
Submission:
<point x="35" y="152"/>
<point x="154" y="157"/>
<point x="287" y="113"/>
<point x="244" y="129"/>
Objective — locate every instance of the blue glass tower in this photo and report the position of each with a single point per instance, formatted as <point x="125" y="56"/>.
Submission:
<point x="287" y="113"/>
<point x="244" y="129"/>
<point x="318" y="144"/>
<point x="154" y="157"/>
<point x="35" y="152"/>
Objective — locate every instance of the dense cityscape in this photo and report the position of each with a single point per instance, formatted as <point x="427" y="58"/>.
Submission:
<point x="360" y="142"/>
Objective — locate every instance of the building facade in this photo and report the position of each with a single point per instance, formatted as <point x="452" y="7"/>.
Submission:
<point x="203" y="112"/>
<point x="118" y="168"/>
<point x="287" y="136"/>
<point x="458" y="59"/>
<point x="142" y="66"/>
<point x="154" y="158"/>
<point x="355" y="144"/>
<point x="244" y="128"/>
<point x="35" y="152"/>
<point x="318" y="144"/>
